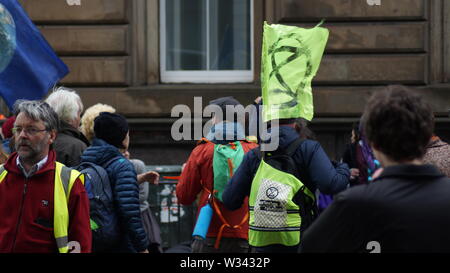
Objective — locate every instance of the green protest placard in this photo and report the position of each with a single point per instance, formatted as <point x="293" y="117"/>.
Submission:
<point x="290" y="59"/>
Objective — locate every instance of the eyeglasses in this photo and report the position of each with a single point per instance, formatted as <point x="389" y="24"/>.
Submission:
<point x="28" y="131"/>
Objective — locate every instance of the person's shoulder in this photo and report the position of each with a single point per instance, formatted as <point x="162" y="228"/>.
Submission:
<point x="122" y="162"/>
<point x="66" y="139"/>
<point x="122" y="169"/>
<point x="376" y="193"/>
<point x="252" y="159"/>
<point x="444" y="146"/>
<point x="78" y="185"/>
<point x="310" y="143"/>
<point x="445" y="179"/>
<point x="118" y="164"/>
<point x="203" y="151"/>
<point x="138" y="164"/>
<point x="305" y="144"/>
<point x="204" y="144"/>
<point x="352" y="194"/>
<point x="437" y="144"/>
<point x="253" y="152"/>
<point x="308" y="147"/>
<point x="362" y="194"/>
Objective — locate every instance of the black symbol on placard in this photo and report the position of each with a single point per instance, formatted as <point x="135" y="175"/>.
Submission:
<point x="296" y="53"/>
<point x="272" y="192"/>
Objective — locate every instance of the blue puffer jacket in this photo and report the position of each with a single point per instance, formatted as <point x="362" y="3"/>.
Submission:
<point x="316" y="170"/>
<point x="126" y="193"/>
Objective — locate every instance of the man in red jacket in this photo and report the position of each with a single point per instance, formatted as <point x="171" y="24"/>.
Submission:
<point x="198" y="177"/>
<point x="36" y="215"/>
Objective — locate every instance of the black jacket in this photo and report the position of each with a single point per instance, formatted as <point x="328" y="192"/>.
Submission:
<point x="405" y="210"/>
<point x="69" y="145"/>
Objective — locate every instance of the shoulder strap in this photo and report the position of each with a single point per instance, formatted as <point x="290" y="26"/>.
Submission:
<point x="292" y="148"/>
<point x="287" y="153"/>
<point x="225" y="222"/>
<point x="106" y="165"/>
<point x="258" y="152"/>
<point x="98" y="169"/>
<point x="111" y="161"/>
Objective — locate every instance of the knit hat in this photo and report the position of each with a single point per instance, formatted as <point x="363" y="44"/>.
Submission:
<point x="7" y="127"/>
<point x="111" y="127"/>
<point x="223" y="102"/>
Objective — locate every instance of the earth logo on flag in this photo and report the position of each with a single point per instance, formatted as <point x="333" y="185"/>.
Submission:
<point x="7" y="38"/>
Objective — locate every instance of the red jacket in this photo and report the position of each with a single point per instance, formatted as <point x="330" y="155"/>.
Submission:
<point x="26" y="222"/>
<point x="198" y="171"/>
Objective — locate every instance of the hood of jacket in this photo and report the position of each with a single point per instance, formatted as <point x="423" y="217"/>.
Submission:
<point x="226" y="132"/>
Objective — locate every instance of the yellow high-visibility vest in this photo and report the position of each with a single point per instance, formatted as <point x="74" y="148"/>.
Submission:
<point x="64" y="179"/>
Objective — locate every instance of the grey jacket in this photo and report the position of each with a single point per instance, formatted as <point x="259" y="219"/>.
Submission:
<point x="139" y="166"/>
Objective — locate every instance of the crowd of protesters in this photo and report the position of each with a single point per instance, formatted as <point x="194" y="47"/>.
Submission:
<point x="45" y="205"/>
<point x="391" y="186"/>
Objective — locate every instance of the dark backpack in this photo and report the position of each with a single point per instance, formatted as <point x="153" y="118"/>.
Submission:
<point x="282" y="159"/>
<point x="104" y="220"/>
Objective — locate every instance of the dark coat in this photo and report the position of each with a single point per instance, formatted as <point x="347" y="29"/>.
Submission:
<point x="125" y="189"/>
<point x="316" y="170"/>
<point x="69" y="145"/>
<point x="404" y="210"/>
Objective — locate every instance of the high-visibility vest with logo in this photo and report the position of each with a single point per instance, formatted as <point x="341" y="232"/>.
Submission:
<point x="274" y="217"/>
<point x="64" y="180"/>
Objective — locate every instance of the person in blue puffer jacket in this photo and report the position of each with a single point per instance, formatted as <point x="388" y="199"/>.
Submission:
<point x="111" y="134"/>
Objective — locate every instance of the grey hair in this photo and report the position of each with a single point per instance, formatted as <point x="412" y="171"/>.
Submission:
<point x="38" y="110"/>
<point x="66" y="103"/>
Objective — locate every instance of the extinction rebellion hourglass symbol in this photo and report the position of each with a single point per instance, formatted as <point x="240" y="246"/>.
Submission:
<point x="295" y="54"/>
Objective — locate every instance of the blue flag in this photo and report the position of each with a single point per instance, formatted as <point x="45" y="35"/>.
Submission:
<point x="29" y="67"/>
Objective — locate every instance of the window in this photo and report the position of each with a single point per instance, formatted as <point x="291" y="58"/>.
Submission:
<point x="206" y="41"/>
